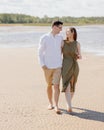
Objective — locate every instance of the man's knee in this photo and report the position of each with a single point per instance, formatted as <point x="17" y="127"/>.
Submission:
<point x="49" y="86"/>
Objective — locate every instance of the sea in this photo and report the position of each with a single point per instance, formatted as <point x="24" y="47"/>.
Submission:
<point x="91" y="37"/>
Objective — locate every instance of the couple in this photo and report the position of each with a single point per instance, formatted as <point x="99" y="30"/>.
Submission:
<point x="59" y="57"/>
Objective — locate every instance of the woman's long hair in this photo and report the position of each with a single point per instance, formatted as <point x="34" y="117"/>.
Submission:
<point x="73" y="30"/>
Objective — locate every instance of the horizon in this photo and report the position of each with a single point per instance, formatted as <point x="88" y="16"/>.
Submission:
<point x="53" y="16"/>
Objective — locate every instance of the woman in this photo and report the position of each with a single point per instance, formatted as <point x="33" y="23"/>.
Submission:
<point x="70" y="69"/>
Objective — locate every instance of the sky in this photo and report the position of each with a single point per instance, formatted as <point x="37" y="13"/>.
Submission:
<point x="52" y="8"/>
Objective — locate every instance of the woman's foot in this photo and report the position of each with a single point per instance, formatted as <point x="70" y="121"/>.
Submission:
<point x="57" y="110"/>
<point x="69" y="110"/>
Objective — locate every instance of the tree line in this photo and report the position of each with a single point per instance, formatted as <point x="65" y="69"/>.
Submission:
<point x="6" y="18"/>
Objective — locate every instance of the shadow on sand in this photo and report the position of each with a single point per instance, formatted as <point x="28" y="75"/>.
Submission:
<point x="86" y="114"/>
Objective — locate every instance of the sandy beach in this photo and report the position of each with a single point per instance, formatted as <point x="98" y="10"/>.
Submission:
<point x="23" y="99"/>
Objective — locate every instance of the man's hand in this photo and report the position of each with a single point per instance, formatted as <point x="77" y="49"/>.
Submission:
<point x="44" y="67"/>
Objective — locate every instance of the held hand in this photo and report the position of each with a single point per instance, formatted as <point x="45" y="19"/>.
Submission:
<point x="79" y="57"/>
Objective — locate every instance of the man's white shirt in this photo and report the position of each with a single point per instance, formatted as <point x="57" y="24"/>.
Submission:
<point x="49" y="50"/>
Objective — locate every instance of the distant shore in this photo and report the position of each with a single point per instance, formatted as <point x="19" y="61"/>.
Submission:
<point x="45" y="24"/>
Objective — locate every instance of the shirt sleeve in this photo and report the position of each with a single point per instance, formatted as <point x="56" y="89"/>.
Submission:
<point x="62" y="43"/>
<point x="41" y="51"/>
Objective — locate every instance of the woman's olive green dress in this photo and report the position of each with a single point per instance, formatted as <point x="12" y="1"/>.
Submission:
<point x="70" y="66"/>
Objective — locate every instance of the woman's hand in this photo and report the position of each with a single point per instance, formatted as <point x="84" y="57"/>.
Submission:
<point x="79" y="56"/>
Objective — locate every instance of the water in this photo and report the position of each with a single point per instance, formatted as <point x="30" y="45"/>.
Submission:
<point x="91" y="38"/>
<point x="20" y="36"/>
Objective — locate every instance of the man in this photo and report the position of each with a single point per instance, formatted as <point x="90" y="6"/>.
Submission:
<point x="51" y="61"/>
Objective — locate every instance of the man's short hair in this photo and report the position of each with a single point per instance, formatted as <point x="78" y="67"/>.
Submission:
<point x="57" y="23"/>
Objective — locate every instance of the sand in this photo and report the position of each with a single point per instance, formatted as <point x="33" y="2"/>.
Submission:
<point x="23" y="99"/>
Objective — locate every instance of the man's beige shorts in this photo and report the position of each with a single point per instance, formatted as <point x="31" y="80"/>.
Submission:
<point x="52" y="76"/>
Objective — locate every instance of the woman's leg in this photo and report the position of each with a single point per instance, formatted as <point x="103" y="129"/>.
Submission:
<point x="72" y="94"/>
<point x="68" y="98"/>
<point x="72" y="82"/>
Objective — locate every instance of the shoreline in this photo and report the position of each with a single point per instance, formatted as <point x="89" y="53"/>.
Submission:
<point x="36" y="47"/>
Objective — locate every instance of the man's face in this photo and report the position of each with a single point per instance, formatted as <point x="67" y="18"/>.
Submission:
<point x="58" y="28"/>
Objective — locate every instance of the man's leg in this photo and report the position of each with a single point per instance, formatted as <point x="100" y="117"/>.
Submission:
<point x="49" y="94"/>
<point x="48" y="77"/>
<point x="56" y="96"/>
<point x="56" y="82"/>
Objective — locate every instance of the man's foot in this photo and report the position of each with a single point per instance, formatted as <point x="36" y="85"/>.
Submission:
<point x="57" y="110"/>
<point x="50" y="107"/>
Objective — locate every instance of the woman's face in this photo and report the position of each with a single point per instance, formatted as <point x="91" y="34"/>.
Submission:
<point x="69" y="33"/>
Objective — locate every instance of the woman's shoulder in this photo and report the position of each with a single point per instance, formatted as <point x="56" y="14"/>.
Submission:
<point x="64" y="40"/>
<point x="77" y="42"/>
